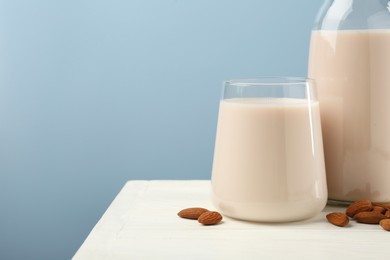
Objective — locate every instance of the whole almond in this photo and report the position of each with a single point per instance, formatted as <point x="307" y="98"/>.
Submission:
<point x="369" y="217"/>
<point x="210" y="218"/>
<point x="358" y="206"/>
<point x="338" y="219"/>
<point x="191" y="213"/>
<point x="384" y="205"/>
<point x="385" y="224"/>
<point x="379" y="209"/>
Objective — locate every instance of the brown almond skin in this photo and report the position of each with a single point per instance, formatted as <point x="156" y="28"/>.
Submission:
<point x="358" y="206"/>
<point x="191" y="213"/>
<point x="385" y="224"/>
<point x="387" y="214"/>
<point x="379" y="209"/>
<point x="384" y="205"/>
<point x="370" y="217"/>
<point x="338" y="219"/>
<point x="210" y="218"/>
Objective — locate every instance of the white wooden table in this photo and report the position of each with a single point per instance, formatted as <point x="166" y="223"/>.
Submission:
<point x="142" y="223"/>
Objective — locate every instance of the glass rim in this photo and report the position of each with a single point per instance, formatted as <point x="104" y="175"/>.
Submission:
<point x="268" y="81"/>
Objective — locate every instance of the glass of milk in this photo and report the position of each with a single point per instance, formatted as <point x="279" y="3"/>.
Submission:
<point x="268" y="160"/>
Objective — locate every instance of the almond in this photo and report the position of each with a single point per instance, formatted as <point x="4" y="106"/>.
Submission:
<point x="371" y="217"/>
<point x="358" y="206"/>
<point x="387" y="214"/>
<point x="384" y="205"/>
<point x="379" y="209"/>
<point x="385" y="224"/>
<point x="210" y="218"/>
<point x="192" y="213"/>
<point x="338" y="219"/>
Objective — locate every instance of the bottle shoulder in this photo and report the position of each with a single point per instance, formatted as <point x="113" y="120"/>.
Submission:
<point x="353" y="15"/>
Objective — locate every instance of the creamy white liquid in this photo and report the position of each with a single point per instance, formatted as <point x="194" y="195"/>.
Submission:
<point x="352" y="72"/>
<point x="268" y="160"/>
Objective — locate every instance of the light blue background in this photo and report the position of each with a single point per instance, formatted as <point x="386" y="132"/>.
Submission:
<point x="95" y="93"/>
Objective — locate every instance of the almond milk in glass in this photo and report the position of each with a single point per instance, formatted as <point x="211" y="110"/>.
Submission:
<point x="268" y="159"/>
<point x="350" y="61"/>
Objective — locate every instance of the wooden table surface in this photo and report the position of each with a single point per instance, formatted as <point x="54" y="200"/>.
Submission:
<point x="142" y="223"/>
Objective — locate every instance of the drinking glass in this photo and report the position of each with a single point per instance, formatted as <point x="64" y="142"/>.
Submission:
<point x="268" y="159"/>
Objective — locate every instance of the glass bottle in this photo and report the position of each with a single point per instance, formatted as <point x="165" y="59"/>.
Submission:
<point x="350" y="61"/>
